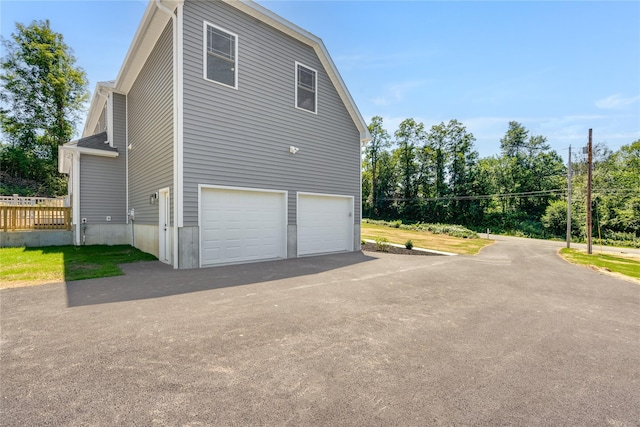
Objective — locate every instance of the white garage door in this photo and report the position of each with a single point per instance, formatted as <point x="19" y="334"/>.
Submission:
<point x="241" y="225"/>
<point x="325" y="224"/>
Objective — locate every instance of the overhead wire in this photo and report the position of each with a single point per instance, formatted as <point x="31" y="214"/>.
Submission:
<point x="524" y="194"/>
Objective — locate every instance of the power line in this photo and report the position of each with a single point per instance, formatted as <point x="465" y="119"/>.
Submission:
<point x="524" y="194"/>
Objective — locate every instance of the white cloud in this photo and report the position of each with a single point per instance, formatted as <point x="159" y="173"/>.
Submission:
<point x="616" y="101"/>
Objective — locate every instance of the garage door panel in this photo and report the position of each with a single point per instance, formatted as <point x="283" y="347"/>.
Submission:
<point x="325" y="224"/>
<point x="239" y="225"/>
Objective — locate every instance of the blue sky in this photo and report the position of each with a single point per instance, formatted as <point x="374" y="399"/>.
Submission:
<point x="558" y="67"/>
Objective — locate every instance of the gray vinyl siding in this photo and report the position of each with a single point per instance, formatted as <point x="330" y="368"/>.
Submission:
<point x="242" y="137"/>
<point x="103" y="179"/>
<point x="119" y="137"/>
<point x="102" y="187"/>
<point x="150" y="114"/>
<point x="101" y="126"/>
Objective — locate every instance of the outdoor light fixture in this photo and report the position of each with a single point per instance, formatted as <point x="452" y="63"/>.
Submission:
<point x="153" y="198"/>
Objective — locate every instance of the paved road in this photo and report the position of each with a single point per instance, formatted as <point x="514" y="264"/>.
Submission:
<point x="595" y="247"/>
<point x="513" y="336"/>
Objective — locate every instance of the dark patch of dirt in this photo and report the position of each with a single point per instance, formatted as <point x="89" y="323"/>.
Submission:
<point x="371" y="247"/>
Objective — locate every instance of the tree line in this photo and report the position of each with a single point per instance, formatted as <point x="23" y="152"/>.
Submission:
<point x="435" y="175"/>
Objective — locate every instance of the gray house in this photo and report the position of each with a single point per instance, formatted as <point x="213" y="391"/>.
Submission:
<point x="228" y="136"/>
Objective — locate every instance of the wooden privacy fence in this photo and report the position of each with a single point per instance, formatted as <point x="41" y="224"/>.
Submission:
<point x="14" y="218"/>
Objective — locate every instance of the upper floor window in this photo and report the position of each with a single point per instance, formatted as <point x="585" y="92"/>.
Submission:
<point x="306" y="88"/>
<point x="220" y="56"/>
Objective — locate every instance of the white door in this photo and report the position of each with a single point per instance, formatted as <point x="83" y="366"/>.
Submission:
<point x="164" y="229"/>
<point x="240" y="225"/>
<point x="325" y="223"/>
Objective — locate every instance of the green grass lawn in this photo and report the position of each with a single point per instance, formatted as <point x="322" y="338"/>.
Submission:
<point x="32" y="266"/>
<point x="627" y="266"/>
<point x="425" y="239"/>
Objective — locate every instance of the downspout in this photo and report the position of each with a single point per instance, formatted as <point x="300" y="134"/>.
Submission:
<point x="75" y="170"/>
<point x="176" y="19"/>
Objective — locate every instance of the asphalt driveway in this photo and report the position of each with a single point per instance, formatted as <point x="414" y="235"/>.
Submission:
<point x="513" y="336"/>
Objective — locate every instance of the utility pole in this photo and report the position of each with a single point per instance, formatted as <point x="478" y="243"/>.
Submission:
<point x="569" y="201"/>
<point x="589" y="162"/>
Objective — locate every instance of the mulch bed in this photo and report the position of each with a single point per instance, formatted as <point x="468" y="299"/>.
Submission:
<point x="371" y="247"/>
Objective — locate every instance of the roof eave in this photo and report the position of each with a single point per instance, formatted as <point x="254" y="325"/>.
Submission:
<point x="91" y="151"/>
<point x="97" y="105"/>
<point x="153" y="23"/>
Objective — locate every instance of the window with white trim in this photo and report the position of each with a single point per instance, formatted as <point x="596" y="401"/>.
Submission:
<point x="306" y="88"/>
<point x="220" y="55"/>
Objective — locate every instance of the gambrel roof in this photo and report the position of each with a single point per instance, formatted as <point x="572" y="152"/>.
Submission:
<point x="154" y="22"/>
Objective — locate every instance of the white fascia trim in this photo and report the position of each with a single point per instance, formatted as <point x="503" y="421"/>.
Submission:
<point x="90" y="151"/>
<point x="100" y="95"/>
<point x="340" y="86"/>
<point x="95" y="152"/>
<point x="281" y="24"/>
<point x="153" y="23"/>
<point x="64" y="159"/>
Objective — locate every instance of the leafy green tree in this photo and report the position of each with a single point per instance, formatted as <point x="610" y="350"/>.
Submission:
<point x="366" y="190"/>
<point x="616" y="188"/>
<point x="530" y="166"/>
<point x="388" y="186"/>
<point x="409" y="135"/>
<point x="380" y="140"/>
<point x="554" y="219"/>
<point x="462" y="160"/>
<point x="437" y="142"/>
<point x="514" y="142"/>
<point x="43" y="92"/>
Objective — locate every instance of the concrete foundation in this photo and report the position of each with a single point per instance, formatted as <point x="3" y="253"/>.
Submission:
<point x="292" y="241"/>
<point x="189" y="247"/>
<point x="35" y="238"/>
<point x="105" y="234"/>
<point x="357" y="237"/>
<point x="146" y="238"/>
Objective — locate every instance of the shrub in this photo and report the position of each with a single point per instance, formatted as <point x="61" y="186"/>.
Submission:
<point x="449" y="229"/>
<point x="382" y="244"/>
<point x="408" y="244"/>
